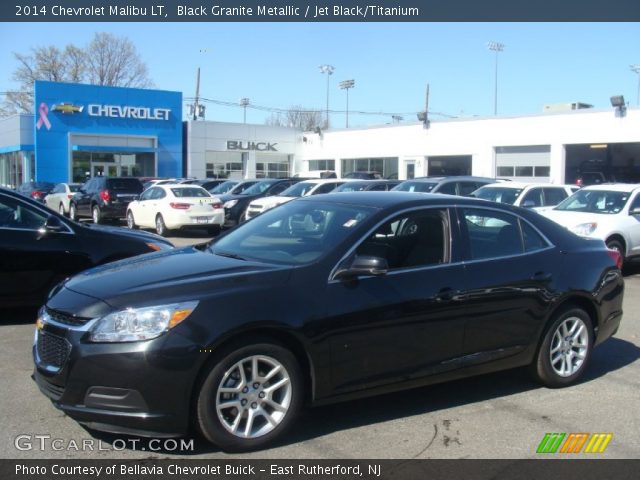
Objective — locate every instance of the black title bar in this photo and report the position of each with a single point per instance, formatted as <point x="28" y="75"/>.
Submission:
<point x="319" y="11"/>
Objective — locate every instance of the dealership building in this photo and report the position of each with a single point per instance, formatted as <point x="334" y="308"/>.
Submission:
<point x="85" y="130"/>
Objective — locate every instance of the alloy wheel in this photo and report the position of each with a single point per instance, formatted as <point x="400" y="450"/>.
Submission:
<point x="130" y="221"/>
<point x="569" y="346"/>
<point x="61" y="209"/>
<point x="253" y="396"/>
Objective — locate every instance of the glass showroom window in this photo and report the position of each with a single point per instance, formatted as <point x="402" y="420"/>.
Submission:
<point x="322" y="165"/>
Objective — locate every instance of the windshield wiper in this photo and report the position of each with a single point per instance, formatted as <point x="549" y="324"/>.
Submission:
<point x="230" y="255"/>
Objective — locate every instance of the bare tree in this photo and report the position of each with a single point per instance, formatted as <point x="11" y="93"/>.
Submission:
<point x="107" y="60"/>
<point x="297" y="117"/>
<point x="114" y="61"/>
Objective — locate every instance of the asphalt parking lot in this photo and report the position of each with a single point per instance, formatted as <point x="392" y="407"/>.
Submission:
<point x="503" y="415"/>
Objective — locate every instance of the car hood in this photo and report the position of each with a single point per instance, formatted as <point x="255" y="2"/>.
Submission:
<point x="124" y="232"/>
<point x="570" y="219"/>
<point x="177" y="275"/>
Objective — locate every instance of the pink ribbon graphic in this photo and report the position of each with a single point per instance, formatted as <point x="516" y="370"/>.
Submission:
<point x="43" y="120"/>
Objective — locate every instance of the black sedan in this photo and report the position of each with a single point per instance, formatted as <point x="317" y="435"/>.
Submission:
<point x="325" y="298"/>
<point x="39" y="248"/>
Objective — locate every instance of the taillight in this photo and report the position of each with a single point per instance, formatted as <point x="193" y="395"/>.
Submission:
<point x="180" y="206"/>
<point x="104" y="195"/>
<point x="616" y="256"/>
<point x="37" y="194"/>
<point x="579" y="182"/>
<point x="69" y="196"/>
<point x="217" y="205"/>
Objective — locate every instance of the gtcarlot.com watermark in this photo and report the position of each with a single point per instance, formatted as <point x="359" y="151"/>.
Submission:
<point x="45" y="442"/>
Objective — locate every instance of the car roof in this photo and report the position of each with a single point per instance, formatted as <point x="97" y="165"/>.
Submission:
<point x="455" y="178"/>
<point x="614" y="187"/>
<point x="516" y="185"/>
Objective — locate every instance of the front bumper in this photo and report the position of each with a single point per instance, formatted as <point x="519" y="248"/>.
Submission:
<point x="141" y="388"/>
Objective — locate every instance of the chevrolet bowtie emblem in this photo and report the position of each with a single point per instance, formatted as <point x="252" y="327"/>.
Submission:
<point x="68" y="108"/>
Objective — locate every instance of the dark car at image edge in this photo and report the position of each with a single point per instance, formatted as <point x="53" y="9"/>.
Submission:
<point x="39" y="248"/>
<point x="323" y="299"/>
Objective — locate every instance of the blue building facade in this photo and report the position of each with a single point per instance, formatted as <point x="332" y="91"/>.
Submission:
<point x="82" y="131"/>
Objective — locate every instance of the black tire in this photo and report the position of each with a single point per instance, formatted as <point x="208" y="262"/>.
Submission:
<point x="131" y="222"/>
<point x="614" y="244"/>
<point x="61" y="210"/>
<point x="545" y="370"/>
<point x="222" y="368"/>
<point x="215" y="230"/>
<point x="96" y="214"/>
<point x="161" y="227"/>
<point x="73" y="213"/>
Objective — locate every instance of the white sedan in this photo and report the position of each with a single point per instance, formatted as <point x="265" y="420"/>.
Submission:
<point x="173" y="207"/>
<point x="59" y="197"/>
<point x="610" y="212"/>
<point x="528" y="195"/>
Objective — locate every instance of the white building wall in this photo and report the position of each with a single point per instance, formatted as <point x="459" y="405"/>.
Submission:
<point x="475" y="137"/>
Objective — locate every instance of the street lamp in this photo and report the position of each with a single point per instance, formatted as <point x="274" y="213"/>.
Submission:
<point x="636" y="69"/>
<point x="346" y="85"/>
<point x="328" y="69"/>
<point x="244" y="101"/>
<point x="495" y="47"/>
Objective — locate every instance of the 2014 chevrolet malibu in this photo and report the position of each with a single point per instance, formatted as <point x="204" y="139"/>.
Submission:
<point x="326" y="298"/>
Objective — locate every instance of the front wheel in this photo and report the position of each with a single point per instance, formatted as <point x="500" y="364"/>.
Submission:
<point x="616" y="245"/>
<point x="565" y="350"/>
<point x="249" y="397"/>
<point x="61" y="210"/>
<point x="131" y="223"/>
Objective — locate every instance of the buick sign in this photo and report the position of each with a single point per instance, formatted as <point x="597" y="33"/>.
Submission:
<point x="258" y="146"/>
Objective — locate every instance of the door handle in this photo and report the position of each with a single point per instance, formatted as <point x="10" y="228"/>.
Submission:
<point x="446" y="294"/>
<point x="542" y="277"/>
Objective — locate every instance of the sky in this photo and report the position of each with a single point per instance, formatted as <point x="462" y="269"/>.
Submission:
<point x="276" y="64"/>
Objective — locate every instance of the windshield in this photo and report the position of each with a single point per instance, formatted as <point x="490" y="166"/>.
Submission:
<point x="258" y="188"/>
<point x="224" y="187"/>
<point x="74" y="187"/>
<point x="352" y="187"/>
<point x="423" y="187"/>
<point x="498" y="194"/>
<point x="595" y="201"/>
<point x="242" y="187"/>
<point x="298" y="190"/>
<point x="295" y="233"/>
<point x="124" y="185"/>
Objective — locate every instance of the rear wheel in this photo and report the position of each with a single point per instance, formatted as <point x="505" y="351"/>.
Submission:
<point x="161" y="227"/>
<point x="61" y="209"/>
<point x="96" y="214"/>
<point x="249" y="397"/>
<point x="565" y="350"/>
<point x="73" y="214"/>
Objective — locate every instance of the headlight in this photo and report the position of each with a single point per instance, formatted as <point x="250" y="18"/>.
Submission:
<point x="230" y="203"/>
<point x="584" y="229"/>
<point x="136" y="324"/>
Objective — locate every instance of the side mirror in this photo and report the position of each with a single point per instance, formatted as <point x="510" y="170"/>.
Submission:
<point x="52" y="225"/>
<point x="364" y="265"/>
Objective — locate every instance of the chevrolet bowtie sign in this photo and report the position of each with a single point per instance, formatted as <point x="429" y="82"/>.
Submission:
<point x="67" y="108"/>
<point x="246" y="146"/>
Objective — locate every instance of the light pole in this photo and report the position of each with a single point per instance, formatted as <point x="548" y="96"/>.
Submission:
<point x="328" y="69"/>
<point x="346" y="85"/>
<point x="244" y="101"/>
<point x="636" y="69"/>
<point x="495" y="47"/>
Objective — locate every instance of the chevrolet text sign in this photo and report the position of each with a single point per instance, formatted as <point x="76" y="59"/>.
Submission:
<point x="124" y="111"/>
<point x="258" y="146"/>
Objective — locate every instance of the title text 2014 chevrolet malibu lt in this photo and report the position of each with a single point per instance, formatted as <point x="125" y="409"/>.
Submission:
<point x="323" y="299"/>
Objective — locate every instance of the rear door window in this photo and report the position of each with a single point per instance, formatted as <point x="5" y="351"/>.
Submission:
<point x="553" y="196"/>
<point x="125" y="185"/>
<point x="492" y="234"/>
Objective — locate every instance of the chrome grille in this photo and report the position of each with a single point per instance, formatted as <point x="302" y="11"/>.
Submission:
<point x="66" y="319"/>
<point x="53" y="351"/>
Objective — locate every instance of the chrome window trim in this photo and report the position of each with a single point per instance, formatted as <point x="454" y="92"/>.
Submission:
<point x="550" y="245"/>
<point x="356" y="244"/>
